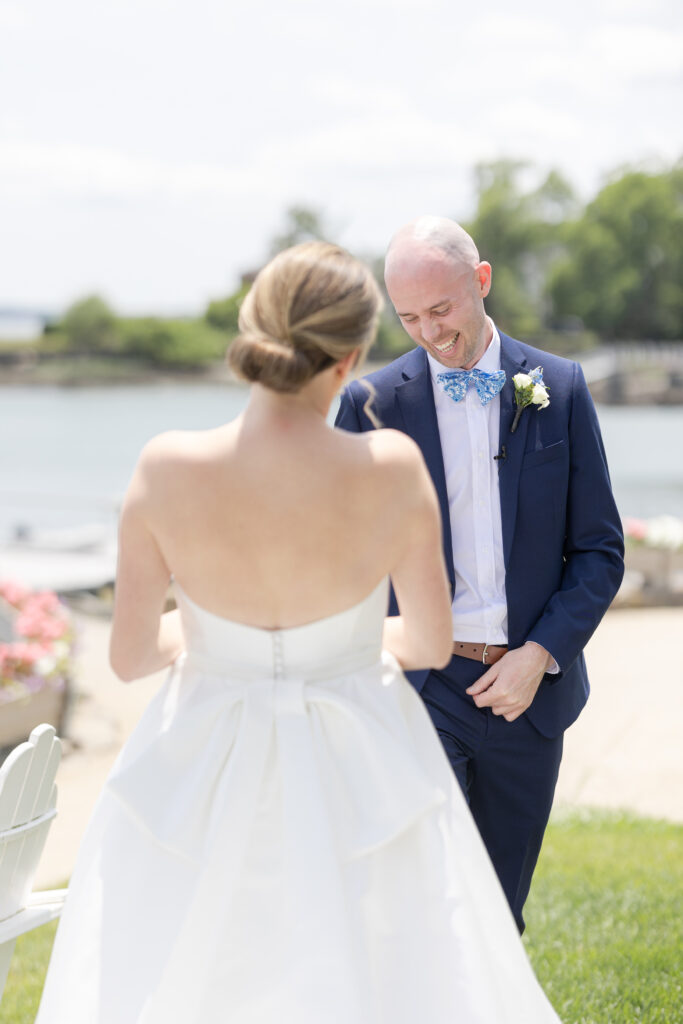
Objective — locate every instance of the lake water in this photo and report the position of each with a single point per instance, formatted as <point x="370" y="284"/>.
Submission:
<point x="66" y="454"/>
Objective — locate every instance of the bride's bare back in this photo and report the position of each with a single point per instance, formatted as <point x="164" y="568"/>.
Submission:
<point x="277" y="520"/>
<point x="276" y="524"/>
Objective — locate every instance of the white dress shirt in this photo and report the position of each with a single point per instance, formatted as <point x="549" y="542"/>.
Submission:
<point x="469" y="433"/>
<point x="469" y="441"/>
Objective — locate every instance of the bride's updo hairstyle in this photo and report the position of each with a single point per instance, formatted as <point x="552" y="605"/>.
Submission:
<point x="309" y="307"/>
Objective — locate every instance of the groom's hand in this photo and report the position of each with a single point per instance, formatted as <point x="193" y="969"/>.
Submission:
<point x="510" y="685"/>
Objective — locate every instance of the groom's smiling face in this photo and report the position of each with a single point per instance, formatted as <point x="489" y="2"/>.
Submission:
<point x="441" y="304"/>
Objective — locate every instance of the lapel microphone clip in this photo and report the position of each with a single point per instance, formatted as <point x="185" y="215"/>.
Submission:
<point x="502" y="455"/>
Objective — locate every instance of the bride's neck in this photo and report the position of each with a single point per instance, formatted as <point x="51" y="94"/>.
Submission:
<point x="310" y="404"/>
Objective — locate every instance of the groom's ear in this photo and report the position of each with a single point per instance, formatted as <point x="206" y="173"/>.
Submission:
<point x="483" y="274"/>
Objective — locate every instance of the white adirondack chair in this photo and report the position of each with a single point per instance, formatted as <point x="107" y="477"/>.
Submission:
<point x="27" y="806"/>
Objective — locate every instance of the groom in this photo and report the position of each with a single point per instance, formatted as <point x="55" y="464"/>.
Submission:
<point x="531" y="534"/>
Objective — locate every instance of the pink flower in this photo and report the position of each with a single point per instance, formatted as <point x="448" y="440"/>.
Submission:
<point x="13" y="593"/>
<point x="18" y="658"/>
<point x="45" y="600"/>
<point x="34" y="624"/>
<point x="28" y="624"/>
<point x="44" y="644"/>
<point x="635" y="529"/>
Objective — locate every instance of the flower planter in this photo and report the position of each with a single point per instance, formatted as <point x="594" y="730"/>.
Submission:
<point x="23" y="713"/>
<point x="36" y="661"/>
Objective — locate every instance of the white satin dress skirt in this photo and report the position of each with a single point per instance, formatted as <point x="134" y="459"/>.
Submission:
<point x="282" y="841"/>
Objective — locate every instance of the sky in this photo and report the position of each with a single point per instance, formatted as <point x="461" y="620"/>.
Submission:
<point x="149" y="150"/>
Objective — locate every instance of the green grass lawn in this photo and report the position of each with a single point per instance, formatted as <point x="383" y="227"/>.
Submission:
<point x="26" y="976"/>
<point x="604" y="925"/>
<point x="605" y="919"/>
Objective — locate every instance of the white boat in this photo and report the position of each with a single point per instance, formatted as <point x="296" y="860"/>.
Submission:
<point x="68" y="560"/>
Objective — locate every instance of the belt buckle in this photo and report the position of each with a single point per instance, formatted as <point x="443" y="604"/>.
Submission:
<point x="484" y="653"/>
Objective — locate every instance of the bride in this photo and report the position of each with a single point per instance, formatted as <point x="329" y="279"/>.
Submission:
<point x="281" y="840"/>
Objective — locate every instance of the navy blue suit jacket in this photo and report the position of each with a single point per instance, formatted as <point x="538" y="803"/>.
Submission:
<point x="562" y="536"/>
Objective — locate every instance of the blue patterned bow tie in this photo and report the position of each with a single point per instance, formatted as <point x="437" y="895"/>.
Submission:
<point x="488" y="385"/>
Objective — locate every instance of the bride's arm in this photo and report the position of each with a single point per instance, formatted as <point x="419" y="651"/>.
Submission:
<point x="422" y="635"/>
<point x="144" y="638"/>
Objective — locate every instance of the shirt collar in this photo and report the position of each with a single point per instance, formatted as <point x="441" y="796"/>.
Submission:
<point x="489" y="362"/>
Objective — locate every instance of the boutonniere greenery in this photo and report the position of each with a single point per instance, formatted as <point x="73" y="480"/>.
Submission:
<point x="529" y="390"/>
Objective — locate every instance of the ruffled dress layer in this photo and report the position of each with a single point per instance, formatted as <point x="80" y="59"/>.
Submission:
<point x="282" y="841"/>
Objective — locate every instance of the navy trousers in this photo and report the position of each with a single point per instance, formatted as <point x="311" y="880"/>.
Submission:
<point x="507" y="771"/>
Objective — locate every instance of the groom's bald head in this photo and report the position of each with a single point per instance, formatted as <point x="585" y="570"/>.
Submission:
<point x="437" y="238"/>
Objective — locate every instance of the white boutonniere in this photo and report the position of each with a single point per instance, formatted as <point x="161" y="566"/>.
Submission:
<point x="529" y="390"/>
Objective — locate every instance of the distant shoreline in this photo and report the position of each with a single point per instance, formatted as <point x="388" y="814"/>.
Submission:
<point x="97" y="373"/>
<point x="653" y="385"/>
<point x="649" y="386"/>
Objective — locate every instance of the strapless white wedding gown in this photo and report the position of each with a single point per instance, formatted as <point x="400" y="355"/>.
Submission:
<point x="282" y="841"/>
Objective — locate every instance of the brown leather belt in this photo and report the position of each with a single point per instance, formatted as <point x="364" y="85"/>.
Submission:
<point x="488" y="654"/>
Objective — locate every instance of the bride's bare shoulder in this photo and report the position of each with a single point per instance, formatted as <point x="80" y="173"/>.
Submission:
<point x="184" y="446"/>
<point x="393" y="457"/>
<point x="169" y="458"/>
<point x="388" y="446"/>
<point x="393" y="443"/>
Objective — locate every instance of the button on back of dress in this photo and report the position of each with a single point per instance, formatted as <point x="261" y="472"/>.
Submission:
<point x="288" y="691"/>
<point x="278" y="655"/>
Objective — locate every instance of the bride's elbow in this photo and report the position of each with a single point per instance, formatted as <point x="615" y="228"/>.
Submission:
<point x="435" y="654"/>
<point x="442" y="662"/>
<point x="443" y="654"/>
<point x="122" y="664"/>
<point x="124" y="673"/>
<point x="442" y="643"/>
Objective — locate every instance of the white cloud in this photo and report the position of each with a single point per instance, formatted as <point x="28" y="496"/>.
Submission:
<point x="13" y="18"/>
<point x="151" y="149"/>
<point x="638" y="51"/>
<point x="534" y="127"/>
<point x="515" y="31"/>
<point x="351" y="96"/>
<point x="644" y="9"/>
<point x="401" y="142"/>
<point x="87" y="172"/>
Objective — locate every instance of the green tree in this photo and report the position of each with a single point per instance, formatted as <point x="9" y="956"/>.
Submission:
<point x="176" y="344"/>
<point x="392" y="340"/>
<point x="518" y="233"/>
<point x="223" y="314"/>
<point x="90" y="325"/>
<point x="303" y="224"/>
<point x="623" y="269"/>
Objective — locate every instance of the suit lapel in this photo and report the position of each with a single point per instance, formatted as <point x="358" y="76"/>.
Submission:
<point x="512" y="360"/>
<point x="416" y="402"/>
